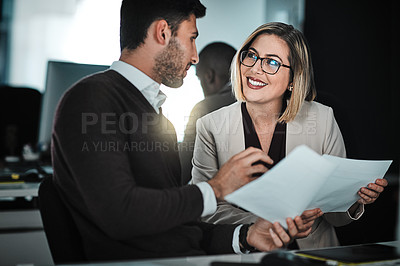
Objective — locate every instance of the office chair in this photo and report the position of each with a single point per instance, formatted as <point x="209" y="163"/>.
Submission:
<point x="61" y="232"/>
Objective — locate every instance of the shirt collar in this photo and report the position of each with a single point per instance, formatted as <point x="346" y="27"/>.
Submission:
<point x="148" y="87"/>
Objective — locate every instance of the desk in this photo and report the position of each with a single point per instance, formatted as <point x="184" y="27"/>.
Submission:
<point x="204" y="260"/>
<point x="192" y="261"/>
<point x="19" y="190"/>
<point x="22" y="239"/>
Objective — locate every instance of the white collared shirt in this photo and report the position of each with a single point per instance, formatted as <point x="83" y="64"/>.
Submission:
<point x="148" y="87"/>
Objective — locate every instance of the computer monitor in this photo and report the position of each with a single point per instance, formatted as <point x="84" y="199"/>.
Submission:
<point x="60" y="76"/>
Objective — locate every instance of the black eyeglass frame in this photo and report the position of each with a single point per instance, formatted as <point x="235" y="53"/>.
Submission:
<point x="262" y="59"/>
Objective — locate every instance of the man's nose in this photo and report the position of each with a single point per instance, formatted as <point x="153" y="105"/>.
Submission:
<point x="195" y="57"/>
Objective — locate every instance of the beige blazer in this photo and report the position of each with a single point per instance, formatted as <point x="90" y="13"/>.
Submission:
<point x="220" y="136"/>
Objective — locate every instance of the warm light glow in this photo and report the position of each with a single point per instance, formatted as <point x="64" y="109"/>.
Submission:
<point x="180" y="101"/>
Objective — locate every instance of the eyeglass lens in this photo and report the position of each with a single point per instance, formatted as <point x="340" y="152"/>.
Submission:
<point x="269" y="65"/>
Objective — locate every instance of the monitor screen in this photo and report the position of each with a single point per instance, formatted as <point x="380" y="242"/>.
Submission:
<point x="60" y="76"/>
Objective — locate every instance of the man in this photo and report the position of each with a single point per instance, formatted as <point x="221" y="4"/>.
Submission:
<point x="213" y="73"/>
<point x="116" y="165"/>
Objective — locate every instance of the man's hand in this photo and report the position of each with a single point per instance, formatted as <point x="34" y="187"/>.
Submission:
<point x="372" y="191"/>
<point x="238" y="171"/>
<point x="265" y="236"/>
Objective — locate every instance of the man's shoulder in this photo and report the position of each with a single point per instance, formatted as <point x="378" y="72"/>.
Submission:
<point x="97" y="91"/>
<point x="101" y="84"/>
<point x="99" y="80"/>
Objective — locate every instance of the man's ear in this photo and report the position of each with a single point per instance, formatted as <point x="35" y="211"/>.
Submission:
<point x="162" y="32"/>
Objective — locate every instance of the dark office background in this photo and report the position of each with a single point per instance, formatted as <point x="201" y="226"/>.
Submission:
<point x="19" y="106"/>
<point x="355" y="51"/>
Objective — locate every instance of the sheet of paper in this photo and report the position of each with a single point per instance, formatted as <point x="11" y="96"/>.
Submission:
<point x="340" y="190"/>
<point x="287" y="189"/>
<point x="305" y="180"/>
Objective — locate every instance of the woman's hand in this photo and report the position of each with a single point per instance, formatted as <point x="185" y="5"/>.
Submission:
<point x="305" y="221"/>
<point x="372" y="191"/>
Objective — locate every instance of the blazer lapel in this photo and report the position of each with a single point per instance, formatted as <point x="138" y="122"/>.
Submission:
<point x="232" y="143"/>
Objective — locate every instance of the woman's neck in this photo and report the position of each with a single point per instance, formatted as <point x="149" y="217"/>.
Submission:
<point x="264" y="114"/>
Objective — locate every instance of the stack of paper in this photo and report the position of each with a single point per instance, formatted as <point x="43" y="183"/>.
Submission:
<point x="306" y="180"/>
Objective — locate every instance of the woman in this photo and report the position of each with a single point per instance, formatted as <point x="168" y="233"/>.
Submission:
<point x="272" y="78"/>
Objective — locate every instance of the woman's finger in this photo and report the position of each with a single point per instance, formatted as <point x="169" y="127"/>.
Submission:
<point x="376" y="187"/>
<point x="366" y="199"/>
<point x="308" y="224"/>
<point x="304" y="234"/>
<point x="369" y="192"/>
<point x="311" y="215"/>
<point x="381" y="182"/>
<point x="298" y="222"/>
<point x="307" y="220"/>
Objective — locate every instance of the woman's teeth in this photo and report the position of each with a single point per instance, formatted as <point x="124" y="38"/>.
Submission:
<point x="256" y="83"/>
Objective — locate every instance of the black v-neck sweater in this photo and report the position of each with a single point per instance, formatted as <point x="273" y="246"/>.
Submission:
<point x="116" y="167"/>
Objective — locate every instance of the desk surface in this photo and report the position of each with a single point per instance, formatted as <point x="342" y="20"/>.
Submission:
<point x="19" y="190"/>
<point x="203" y="260"/>
<point x="193" y="261"/>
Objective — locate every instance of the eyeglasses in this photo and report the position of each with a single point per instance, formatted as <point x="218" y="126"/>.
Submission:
<point x="268" y="65"/>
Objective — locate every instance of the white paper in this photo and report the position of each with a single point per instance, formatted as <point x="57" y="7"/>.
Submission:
<point x="287" y="189"/>
<point x="340" y="190"/>
<point x="305" y="180"/>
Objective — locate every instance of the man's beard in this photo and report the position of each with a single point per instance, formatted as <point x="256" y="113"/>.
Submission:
<point x="169" y="67"/>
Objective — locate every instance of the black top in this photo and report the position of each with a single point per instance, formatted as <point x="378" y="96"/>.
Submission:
<point x="277" y="149"/>
<point x="117" y="169"/>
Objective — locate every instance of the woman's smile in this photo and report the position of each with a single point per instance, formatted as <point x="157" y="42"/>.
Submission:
<point x="255" y="84"/>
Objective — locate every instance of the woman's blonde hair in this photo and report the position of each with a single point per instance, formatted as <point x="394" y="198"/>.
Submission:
<point x="302" y="75"/>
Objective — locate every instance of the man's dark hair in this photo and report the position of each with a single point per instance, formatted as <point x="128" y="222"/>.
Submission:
<point x="137" y="16"/>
